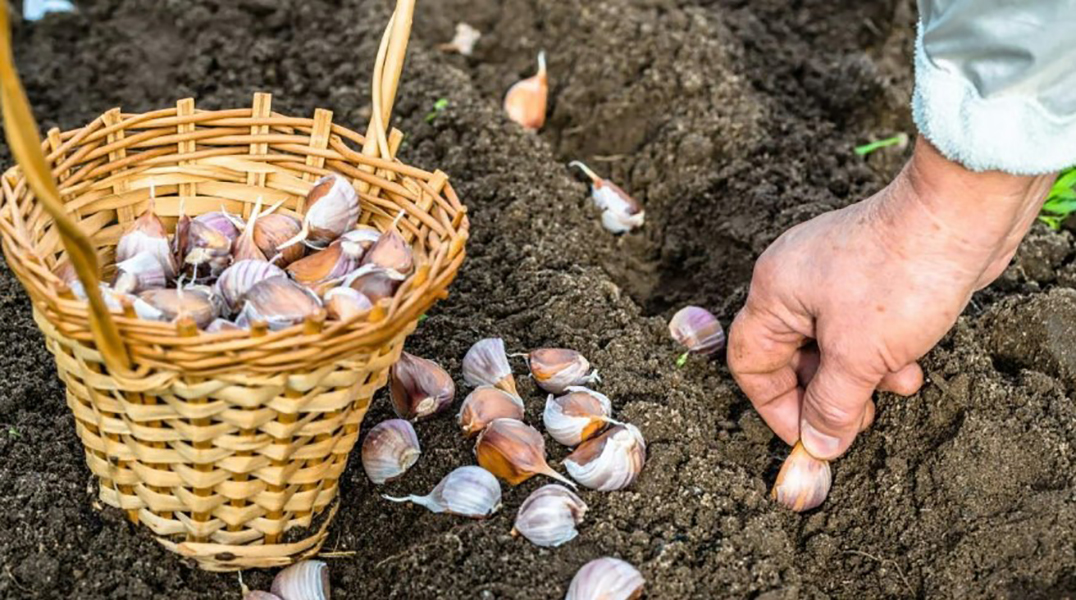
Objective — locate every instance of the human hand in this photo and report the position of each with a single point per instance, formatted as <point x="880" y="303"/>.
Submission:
<point x="846" y="303"/>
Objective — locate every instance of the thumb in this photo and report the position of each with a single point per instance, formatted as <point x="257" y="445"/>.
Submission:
<point x="833" y="410"/>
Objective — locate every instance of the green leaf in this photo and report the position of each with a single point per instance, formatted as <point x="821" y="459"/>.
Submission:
<point x="900" y="139"/>
<point x="1051" y="222"/>
<point x="682" y="359"/>
<point x="422" y="318"/>
<point x="438" y="108"/>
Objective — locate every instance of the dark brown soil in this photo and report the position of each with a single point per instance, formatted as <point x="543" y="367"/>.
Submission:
<point x="731" y="121"/>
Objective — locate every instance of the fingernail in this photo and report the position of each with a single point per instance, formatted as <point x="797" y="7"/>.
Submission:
<point x="818" y="444"/>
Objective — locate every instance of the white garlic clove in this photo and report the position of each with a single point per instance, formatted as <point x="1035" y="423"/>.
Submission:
<point x="487" y="364"/>
<point x="234" y="283"/>
<point x="344" y="303"/>
<point x="557" y="369"/>
<point x="697" y="329"/>
<point x="260" y="595"/>
<point x="279" y="302"/>
<point x="620" y="212"/>
<point x="467" y="492"/>
<point x="390" y="252"/>
<point x="576" y="416"/>
<point x="606" y="579"/>
<point x="526" y="100"/>
<point x="183" y="302"/>
<point x="219" y="325"/>
<point x="115" y="300"/>
<point x="485" y="404"/>
<point x="463" y="42"/>
<point x="548" y="516"/>
<point x="363" y="235"/>
<point x="140" y="272"/>
<point x="420" y="388"/>
<point x="375" y="282"/>
<point x="209" y="251"/>
<point x="389" y="450"/>
<point x="325" y="265"/>
<point x="305" y="580"/>
<point x="221" y="222"/>
<point x="803" y="481"/>
<point x="610" y="461"/>
<point x="147" y="235"/>
<point x="332" y="207"/>
<point x="272" y="231"/>
<point x="514" y="451"/>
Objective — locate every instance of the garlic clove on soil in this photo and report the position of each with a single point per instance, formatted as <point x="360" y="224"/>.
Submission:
<point x="389" y="450"/>
<point x="234" y="283"/>
<point x="279" y="302"/>
<point x="332" y="208"/>
<point x="557" y="369"/>
<point x="514" y="451"/>
<point x="606" y="579"/>
<point x="698" y="330"/>
<point x="467" y="492"/>
<point x="576" y="416"/>
<point x="463" y="42"/>
<point x="487" y="364"/>
<point x="526" y="100"/>
<point x="485" y="404"/>
<point x="147" y="235"/>
<point x="549" y="515"/>
<point x="273" y="230"/>
<point x="142" y="271"/>
<point x="420" y="388"/>
<point x="305" y="580"/>
<point x="610" y="461"/>
<point x="344" y="303"/>
<point x="803" y="481"/>
<point x="620" y="212"/>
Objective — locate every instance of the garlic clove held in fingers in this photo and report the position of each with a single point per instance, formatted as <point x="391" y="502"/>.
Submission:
<point x="526" y="100"/>
<point x="142" y="271"/>
<point x="698" y="330"/>
<point x="271" y="231"/>
<point x="576" y="416"/>
<point x="332" y="208"/>
<point x="467" y="492"/>
<point x="147" y="235"/>
<point x="389" y="450"/>
<point x="803" y="481"/>
<point x="234" y="283"/>
<point x="610" y="461"/>
<point x="420" y="388"/>
<point x="344" y="303"/>
<point x="305" y="580"/>
<point x="279" y="302"/>
<point x="557" y="369"/>
<point x="514" y="451"/>
<point x="548" y="516"/>
<point x="485" y="404"/>
<point x="487" y="364"/>
<point x="606" y="579"/>
<point x="620" y="212"/>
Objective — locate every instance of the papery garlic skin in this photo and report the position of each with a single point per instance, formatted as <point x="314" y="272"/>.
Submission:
<point x="140" y="272"/>
<point x="526" y="100"/>
<point x="697" y="329"/>
<point x="803" y="481"/>
<point x="279" y="302"/>
<point x="463" y="42"/>
<point x="549" y="515"/>
<point x="305" y="580"/>
<point x="514" y="451"/>
<point x="234" y="283"/>
<point x="114" y="301"/>
<point x="606" y="579"/>
<point x="467" y="492"/>
<point x="557" y="369"/>
<point x="487" y="364"/>
<point x="610" y="461"/>
<point x="147" y="234"/>
<point x="486" y="404"/>
<point x="419" y="388"/>
<point x="219" y="325"/>
<point x="389" y="450"/>
<point x="577" y="416"/>
<point x="344" y="303"/>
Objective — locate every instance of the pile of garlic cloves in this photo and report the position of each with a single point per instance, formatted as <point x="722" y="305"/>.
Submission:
<point x="225" y="273"/>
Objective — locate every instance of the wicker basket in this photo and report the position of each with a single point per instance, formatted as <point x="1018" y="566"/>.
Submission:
<point x="228" y="446"/>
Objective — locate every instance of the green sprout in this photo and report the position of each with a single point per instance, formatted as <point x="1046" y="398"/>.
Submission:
<point x="682" y="359"/>
<point x="422" y="318"/>
<point x="901" y="139"/>
<point x="438" y="108"/>
<point x="1061" y="201"/>
<point x="12" y="432"/>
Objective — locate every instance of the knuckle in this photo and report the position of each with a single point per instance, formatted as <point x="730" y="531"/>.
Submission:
<point x="835" y="415"/>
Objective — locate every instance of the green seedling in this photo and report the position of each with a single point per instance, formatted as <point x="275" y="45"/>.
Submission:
<point x="422" y="318"/>
<point x="682" y="359"/>
<point x="438" y="108"/>
<point x="12" y="432"/>
<point x="1061" y="201"/>
<point x="901" y="140"/>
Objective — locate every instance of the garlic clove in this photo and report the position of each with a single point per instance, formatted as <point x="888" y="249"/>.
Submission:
<point x="260" y="595"/>
<point x="576" y="416"/>
<point x="147" y="235"/>
<point x="485" y="404"/>
<point x="620" y="212"/>
<point x="273" y="230"/>
<point x="390" y="252"/>
<point x="697" y="329"/>
<point x="305" y="580"/>
<point x="526" y="100"/>
<point x="209" y="251"/>
<point x="218" y="325"/>
<point x="610" y="461"/>
<point x="548" y="516"/>
<point x="234" y="283"/>
<point x="803" y="481"/>
<point x="221" y="222"/>
<point x="420" y="388"/>
<point x="375" y="282"/>
<point x="606" y="579"/>
<point x="463" y="42"/>
<point x="182" y="302"/>
<point x="389" y="450"/>
<point x="487" y="364"/>
<point x="324" y="265"/>
<point x="181" y="236"/>
<point x="140" y="272"/>
<point x="514" y="451"/>
<point x="278" y="301"/>
<point x="332" y="207"/>
<point x="556" y="369"/>
<point x="344" y="303"/>
<point x="115" y="300"/>
<point x="467" y="492"/>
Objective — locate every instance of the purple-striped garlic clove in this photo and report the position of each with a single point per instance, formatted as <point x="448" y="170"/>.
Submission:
<point x="279" y="302"/>
<point x="486" y="404"/>
<point x="142" y="271"/>
<point x="525" y="102"/>
<point x="375" y="282"/>
<point x="467" y="492"/>
<point x="606" y="579"/>
<point x="576" y="416"/>
<point x="209" y="251"/>
<point x="420" y="388"/>
<point x="487" y="364"/>
<point x="803" y="481"/>
<point x="698" y="330"/>
<point x="344" y="303"/>
<point x="610" y="461"/>
<point x="147" y="235"/>
<point x="514" y="451"/>
<point x="548" y="516"/>
<point x="390" y="252"/>
<point x="260" y="595"/>
<point x="332" y="208"/>
<point x="620" y="212"/>
<point x="389" y="450"/>
<point x="305" y="580"/>
<point x="234" y="283"/>
<point x="557" y="369"/>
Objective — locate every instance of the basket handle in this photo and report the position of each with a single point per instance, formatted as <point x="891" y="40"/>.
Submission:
<point x="386" y="78"/>
<point x="25" y="143"/>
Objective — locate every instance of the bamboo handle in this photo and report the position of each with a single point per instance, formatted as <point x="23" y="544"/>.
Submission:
<point x="386" y="78"/>
<point x="25" y="143"/>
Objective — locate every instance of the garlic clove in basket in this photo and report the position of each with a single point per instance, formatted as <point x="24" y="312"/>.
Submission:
<point x="218" y="325"/>
<point x="209" y="251"/>
<point x="549" y="515"/>
<point x="606" y="579"/>
<point x="147" y="235"/>
<point x="620" y="212"/>
<point x="234" y="283"/>
<point x="332" y="207"/>
<point x="363" y="235"/>
<point x="305" y="580"/>
<point x="272" y="231"/>
<point x="390" y="252"/>
<point x="140" y="272"/>
<point x="514" y="451"/>
<point x="389" y="450"/>
<point x="576" y="416"/>
<point x="375" y="282"/>
<point x="115" y="302"/>
<point x="485" y="404"/>
<point x="260" y="595"/>
<point x="697" y="329"/>
<point x="556" y="369"/>
<point x="467" y="492"/>
<point x="803" y="481"/>
<point x="279" y="302"/>
<point x="420" y="388"/>
<point x="344" y="303"/>
<point x="182" y="302"/>
<point x="333" y="262"/>
<point x="244" y="248"/>
<point x="181" y="236"/>
<point x="525" y="101"/>
<point x="487" y="364"/>
<point x="610" y="461"/>
<point x="221" y="222"/>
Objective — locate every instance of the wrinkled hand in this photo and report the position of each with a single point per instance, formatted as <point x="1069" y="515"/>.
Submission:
<point x="848" y="302"/>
